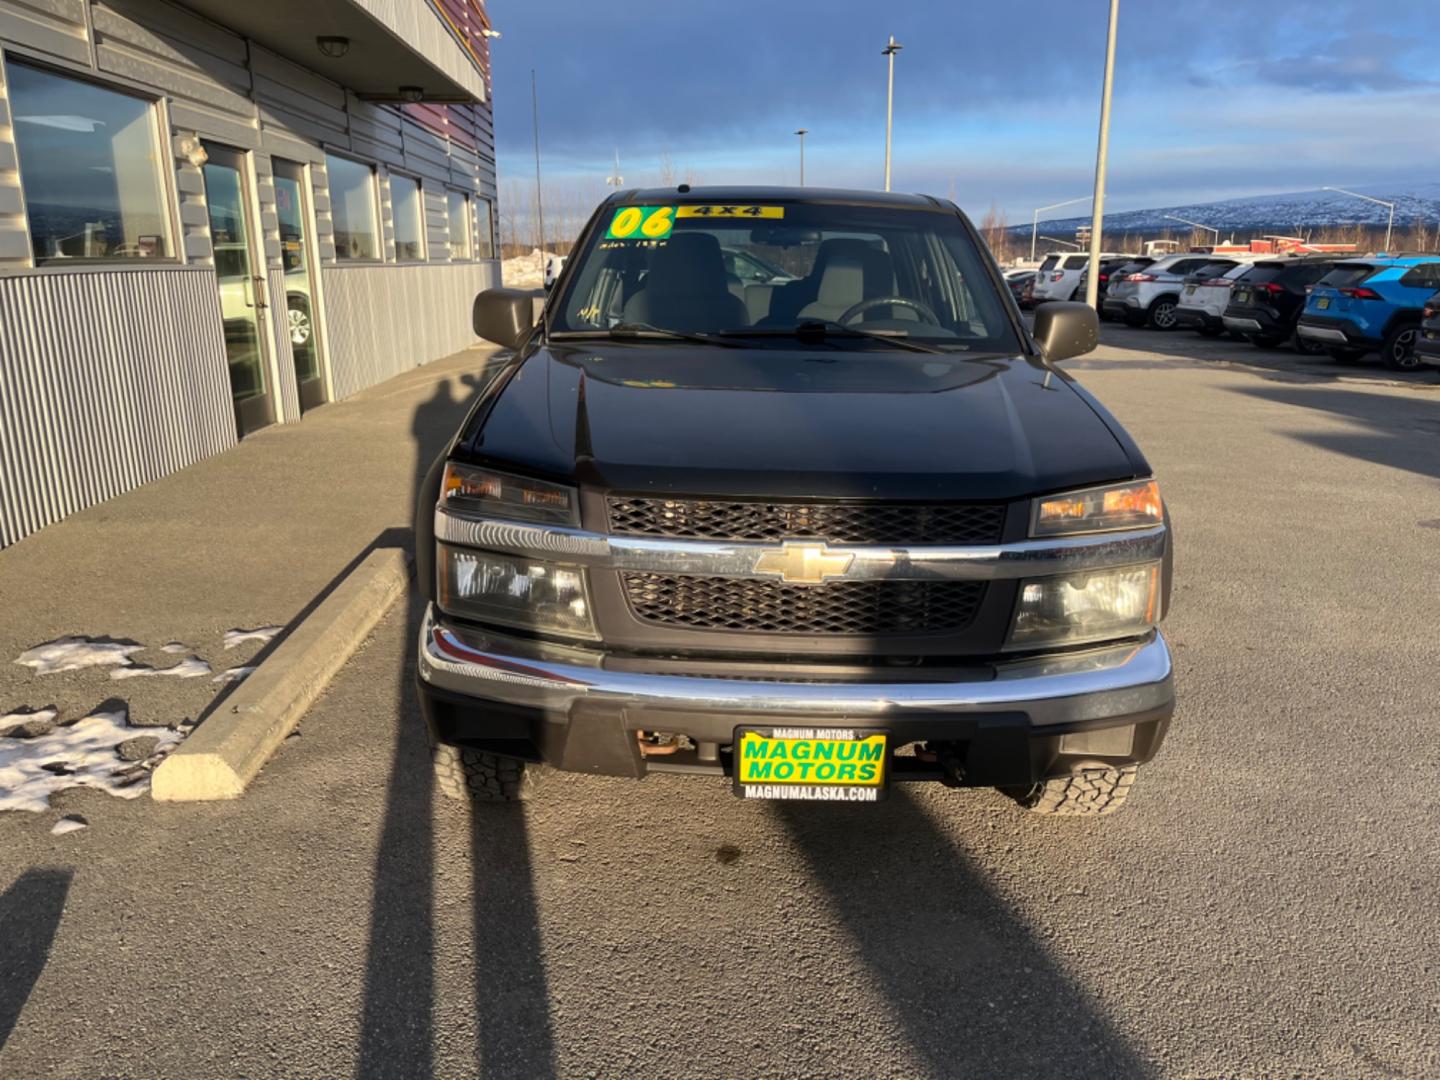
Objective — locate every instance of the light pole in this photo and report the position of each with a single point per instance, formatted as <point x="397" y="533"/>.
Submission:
<point x="889" y="51"/>
<point x="1097" y="221"/>
<point x="1355" y="194"/>
<point x="802" y="132"/>
<point x="1067" y="243"/>
<point x="535" y="117"/>
<point x="617" y="181"/>
<point x="1194" y="225"/>
<point x="1035" y="218"/>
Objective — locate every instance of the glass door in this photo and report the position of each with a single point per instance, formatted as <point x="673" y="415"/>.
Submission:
<point x="297" y="253"/>
<point x="242" y="292"/>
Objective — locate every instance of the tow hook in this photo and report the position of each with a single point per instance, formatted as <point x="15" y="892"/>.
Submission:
<point x="944" y="755"/>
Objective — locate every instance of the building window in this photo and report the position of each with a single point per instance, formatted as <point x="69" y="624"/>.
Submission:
<point x="409" y="218"/>
<point x="352" y="206"/>
<point x="486" y="224"/>
<point x="457" y="205"/>
<point x="89" y="166"/>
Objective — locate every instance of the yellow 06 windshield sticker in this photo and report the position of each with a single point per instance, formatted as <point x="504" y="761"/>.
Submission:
<point x="641" y="222"/>
<point x="731" y="211"/>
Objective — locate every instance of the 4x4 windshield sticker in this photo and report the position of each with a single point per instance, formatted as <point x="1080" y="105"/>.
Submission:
<point x="651" y="222"/>
<point x="731" y="211"/>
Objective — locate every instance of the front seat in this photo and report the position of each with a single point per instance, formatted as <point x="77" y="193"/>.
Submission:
<point x="857" y="273"/>
<point x="790" y="298"/>
<point x="686" y="288"/>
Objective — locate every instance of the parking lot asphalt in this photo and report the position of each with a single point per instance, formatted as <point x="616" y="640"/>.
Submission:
<point x="1266" y="904"/>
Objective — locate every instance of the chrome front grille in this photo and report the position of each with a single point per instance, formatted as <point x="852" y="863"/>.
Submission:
<point x="762" y="606"/>
<point x="888" y="524"/>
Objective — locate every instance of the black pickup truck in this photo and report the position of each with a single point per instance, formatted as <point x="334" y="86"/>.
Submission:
<point x="820" y="534"/>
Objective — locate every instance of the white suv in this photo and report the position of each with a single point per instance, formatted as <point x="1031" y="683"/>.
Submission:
<point x="1150" y="297"/>
<point x="1059" y="275"/>
<point x="1205" y="295"/>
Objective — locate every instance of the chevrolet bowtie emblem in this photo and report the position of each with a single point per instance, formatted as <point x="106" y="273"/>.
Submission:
<point x="808" y="563"/>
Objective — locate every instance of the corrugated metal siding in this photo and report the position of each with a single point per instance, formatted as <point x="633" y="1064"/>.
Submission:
<point x="289" y="392"/>
<point x="382" y="320"/>
<point x="107" y="380"/>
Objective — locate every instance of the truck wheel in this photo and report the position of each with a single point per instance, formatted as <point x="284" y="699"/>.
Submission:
<point x="1399" y="350"/>
<point x="1088" y="793"/>
<point x="461" y="773"/>
<point x="1162" y="314"/>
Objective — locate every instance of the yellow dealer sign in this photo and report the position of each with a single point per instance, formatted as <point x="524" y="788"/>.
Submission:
<point x="819" y="757"/>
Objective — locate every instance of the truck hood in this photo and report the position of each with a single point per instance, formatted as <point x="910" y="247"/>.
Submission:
<point x="767" y="422"/>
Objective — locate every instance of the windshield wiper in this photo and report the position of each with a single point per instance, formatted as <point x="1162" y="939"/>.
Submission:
<point x="642" y="331"/>
<point x="821" y="328"/>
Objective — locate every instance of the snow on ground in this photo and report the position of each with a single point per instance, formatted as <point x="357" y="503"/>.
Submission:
<point x="238" y="636"/>
<point x="523" y="271"/>
<point x="82" y="754"/>
<point x="35" y="718"/>
<point x="174" y="647"/>
<point x="234" y="674"/>
<point x="192" y="667"/>
<point x="73" y="653"/>
<point x="69" y="823"/>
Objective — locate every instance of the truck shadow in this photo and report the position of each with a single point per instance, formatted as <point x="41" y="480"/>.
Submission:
<point x="397" y="1035"/>
<point x="976" y="991"/>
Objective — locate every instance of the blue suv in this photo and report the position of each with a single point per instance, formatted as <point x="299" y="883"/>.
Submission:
<point x="1370" y="305"/>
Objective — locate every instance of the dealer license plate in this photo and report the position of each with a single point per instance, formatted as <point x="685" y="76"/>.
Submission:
<point x="1242" y="297"/>
<point x="1189" y="290"/>
<point x="1323" y="303"/>
<point x="811" y="764"/>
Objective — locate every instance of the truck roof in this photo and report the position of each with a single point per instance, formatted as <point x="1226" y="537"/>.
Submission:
<point x="759" y="194"/>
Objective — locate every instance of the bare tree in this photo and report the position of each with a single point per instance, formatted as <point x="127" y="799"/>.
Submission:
<point x="667" y="169"/>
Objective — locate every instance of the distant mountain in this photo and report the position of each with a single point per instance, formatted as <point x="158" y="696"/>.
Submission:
<point x="1292" y="212"/>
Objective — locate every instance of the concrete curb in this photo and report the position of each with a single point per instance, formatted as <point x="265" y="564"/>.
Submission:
<point x="229" y="746"/>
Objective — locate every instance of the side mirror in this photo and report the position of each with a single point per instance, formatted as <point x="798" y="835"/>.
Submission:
<point x="504" y="316"/>
<point x="1066" y="329"/>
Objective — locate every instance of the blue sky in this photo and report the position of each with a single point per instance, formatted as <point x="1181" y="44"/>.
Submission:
<point x="996" y="101"/>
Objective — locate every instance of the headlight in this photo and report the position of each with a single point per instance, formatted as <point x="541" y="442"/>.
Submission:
<point x="1135" y="505"/>
<point x="1087" y="607"/>
<point x="521" y="592"/>
<point x="517" y="498"/>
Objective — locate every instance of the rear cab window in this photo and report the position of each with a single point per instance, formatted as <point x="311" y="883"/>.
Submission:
<point x="1076" y="262"/>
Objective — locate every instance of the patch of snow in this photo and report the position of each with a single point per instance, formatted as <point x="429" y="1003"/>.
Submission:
<point x="80" y="755"/>
<point x="175" y="647"/>
<point x="192" y="667"/>
<point x="43" y="715"/>
<point x="530" y="271"/>
<point x="234" y="674"/>
<point x="238" y="636"/>
<point x="74" y="653"/>
<point x="69" y="823"/>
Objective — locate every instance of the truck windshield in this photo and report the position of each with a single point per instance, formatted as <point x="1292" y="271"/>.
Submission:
<point x="770" y="270"/>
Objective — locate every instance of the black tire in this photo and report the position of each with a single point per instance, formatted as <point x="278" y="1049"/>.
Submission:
<point x="1267" y="341"/>
<point x="1088" y="793"/>
<point x="1209" y="330"/>
<point x="1305" y="346"/>
<point x="480" y="776"/>
<point x="1161" y="314"/>
<point x="1398" y="352"/>
<point x="1134" y="318"/>
<point x="1346" y="356"/>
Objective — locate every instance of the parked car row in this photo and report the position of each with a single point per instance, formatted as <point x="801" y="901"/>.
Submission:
<point x="1345" y="306"/>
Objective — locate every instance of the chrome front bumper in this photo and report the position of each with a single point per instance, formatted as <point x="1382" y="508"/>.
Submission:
<point x="1115" y="683"/>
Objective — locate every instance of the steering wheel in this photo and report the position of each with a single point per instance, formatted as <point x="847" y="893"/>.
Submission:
<point x="926" y="315"/>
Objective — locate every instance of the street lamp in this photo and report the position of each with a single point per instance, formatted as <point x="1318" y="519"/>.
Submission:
<point x="1035" y="218"/>
<point x="1097" y="220"/>
<point x="1067" y="243"/>
<point x="802" y="132"/>
<point x="1195" y="225"/>
<point x="889" y="51"/>
<point x="1355" y="194"/>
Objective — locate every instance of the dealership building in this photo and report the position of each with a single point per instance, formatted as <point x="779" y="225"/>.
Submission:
<point x="217" y="215"/>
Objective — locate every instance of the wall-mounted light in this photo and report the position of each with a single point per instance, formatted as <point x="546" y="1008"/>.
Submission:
<point x="333" y="46"/>
<point x="192" y="150"/>
<point x="412" y="94"/>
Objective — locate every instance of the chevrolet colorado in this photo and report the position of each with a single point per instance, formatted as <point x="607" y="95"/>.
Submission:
<point x="842" y="529"/>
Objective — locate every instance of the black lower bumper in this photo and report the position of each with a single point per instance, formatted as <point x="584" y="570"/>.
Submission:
<point x="1001" y="724"/>
<point x="1336" y="333"/>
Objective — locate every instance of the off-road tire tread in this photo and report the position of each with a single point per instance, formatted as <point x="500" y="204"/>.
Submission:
<point x="1088" y="793"/>
<point x="479" y="775"/>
